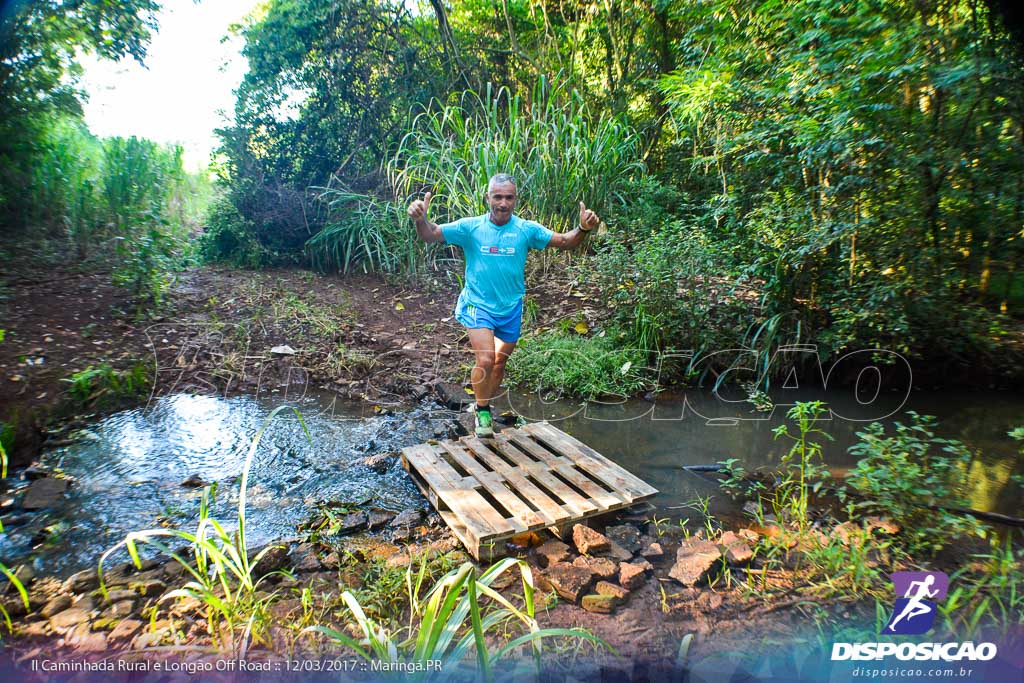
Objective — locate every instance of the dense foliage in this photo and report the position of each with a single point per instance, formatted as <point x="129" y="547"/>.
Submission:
<point x="126" y="198"/>
<point x="849" y="174"/>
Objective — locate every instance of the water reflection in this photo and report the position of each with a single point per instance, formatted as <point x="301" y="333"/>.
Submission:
<point x="129" y="471"/>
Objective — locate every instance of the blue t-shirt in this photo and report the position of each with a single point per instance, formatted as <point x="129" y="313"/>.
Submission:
<point x="495" y="258"/>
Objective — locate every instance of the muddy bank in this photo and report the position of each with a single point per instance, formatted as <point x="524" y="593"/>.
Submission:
<point x="639" y="585"/>
<point x="227" y="331"/>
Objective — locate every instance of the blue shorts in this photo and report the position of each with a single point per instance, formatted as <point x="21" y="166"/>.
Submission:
<point x="506" y="327"/>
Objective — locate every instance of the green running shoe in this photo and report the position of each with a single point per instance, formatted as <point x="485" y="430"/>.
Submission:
<point x="483" y="423"/>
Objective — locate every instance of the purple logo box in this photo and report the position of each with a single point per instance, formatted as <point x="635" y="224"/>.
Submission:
<point x="937" y="582"/>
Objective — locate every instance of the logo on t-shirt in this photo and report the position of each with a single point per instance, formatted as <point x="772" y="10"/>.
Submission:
<point x="504" y="251"/>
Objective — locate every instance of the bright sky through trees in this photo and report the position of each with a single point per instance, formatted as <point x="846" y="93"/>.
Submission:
<point x="185" y="90"/>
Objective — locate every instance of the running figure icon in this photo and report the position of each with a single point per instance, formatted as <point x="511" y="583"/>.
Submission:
<point x="916" y="605"/>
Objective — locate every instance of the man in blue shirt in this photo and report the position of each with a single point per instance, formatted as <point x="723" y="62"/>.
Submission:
<point x="490" y="306"/>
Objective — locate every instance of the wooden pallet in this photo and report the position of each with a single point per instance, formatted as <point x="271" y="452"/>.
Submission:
<point x="491" y="489"/>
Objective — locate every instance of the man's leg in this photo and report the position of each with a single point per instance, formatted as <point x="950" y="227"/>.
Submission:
<point x="491" y="355"/>
<point x="484" y="344"/>
<point x="502" y="350"/>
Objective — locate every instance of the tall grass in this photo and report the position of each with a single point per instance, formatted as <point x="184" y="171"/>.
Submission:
<point x="557" y="149"/>
<point x="364" y="232"/>
<point x="94" y="189"/>
<point x="560" y="153"/>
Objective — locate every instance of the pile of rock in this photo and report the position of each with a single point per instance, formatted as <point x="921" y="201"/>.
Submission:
<point x="599" y="571"/>
<point x="697" y="559"/>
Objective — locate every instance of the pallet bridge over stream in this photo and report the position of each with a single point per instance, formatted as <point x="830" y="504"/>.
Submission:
<point x="491" y="489"/>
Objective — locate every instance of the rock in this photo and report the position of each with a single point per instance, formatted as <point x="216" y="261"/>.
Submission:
<point x="104" y="624"/>
<point x="453" y="396"/>
<point x="82" y="582"/>
<point x="352" y="522"/>
<point x="151" y="589"/>
<point x="694" y="560"/>
<point x="149" y="639"/>
<point x="407" y="519"/>
<point x="617" y="552"/>
<point x="883" y="524"/>
<point x="25" y="574"/>
<point x="305" y="558"/>
<point x="331" y="560"/>
<point x="600" y="604"/>
<point x="36" y="629"/>
<point x="442" y="546"/>
<point x="379" y="463"/>
<point x="119" y="609"/>
<point x="419" y="392"/>
<point x="119" y="595"/>
<point x="749" y="535"/>
<point x="399" y="560"/>
<point x="173" y="570"/>
<point x="93" y="642"/>
<point x="379" y="518"/>
<point x="68" y="618"/>
<point x="567" y="580"/>
<point x="632" y="575"/>
<point x="83" y="602"/>
<point x="282" y="609"/>
<point x="44" y="493"/>
<point x="504" y="580"/>
<point x="752" y="508"/>
<point x="735" y="548"/>
<point x="844" y="531"/>
<point x="194" y="481"/>
<point x="14" y="606"/>
<point x="77" y="634"/>
<point x="283" y="350"/>
<point x="588" y="541"/>
<point x="626" y="535"/>
<point x="601" y="567"/>
<point x="608" y="588"/>
<point x="654" y="550"/>
<point x="275" y="558"/>
<point x="708" y="601"/>
<point x="126" y="629"/>
<point x="551" y="552"/>
<point x="35" y="471"/>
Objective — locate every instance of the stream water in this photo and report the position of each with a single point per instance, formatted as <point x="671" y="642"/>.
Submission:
<point x="128" y="469"/>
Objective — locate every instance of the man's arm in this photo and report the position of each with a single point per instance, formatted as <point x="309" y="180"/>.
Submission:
<point x="425" y="228"/>
<point x="571" y="239"/>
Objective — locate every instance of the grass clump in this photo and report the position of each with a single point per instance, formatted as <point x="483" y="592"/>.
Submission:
<point x="105" y="386"/>
<point x="566" y="364"/>
<point x="452" y="621"/>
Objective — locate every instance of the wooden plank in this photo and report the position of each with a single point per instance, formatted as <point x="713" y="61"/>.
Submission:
<point x="552" y="513"/>
<point x="562" y="477"/>
<point x="482" y="519"/>
<point x="563" y="465"/>
<point x="593" y="462"/>
<point x="524" y="518"/>
<point x="453" y="521"/>
<point x="576" y="503"/>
